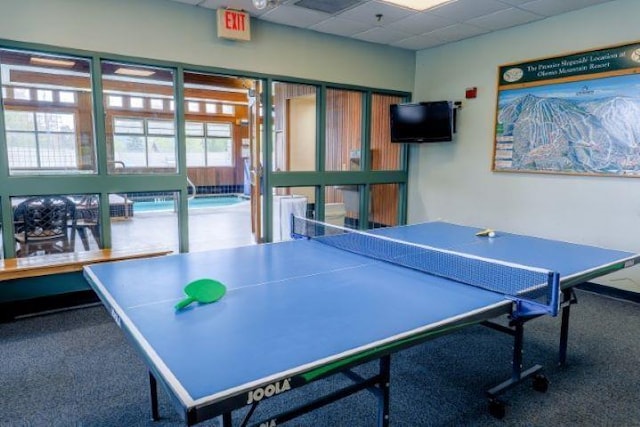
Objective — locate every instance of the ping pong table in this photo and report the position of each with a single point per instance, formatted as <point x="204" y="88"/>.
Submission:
<point x="303" y="310"/>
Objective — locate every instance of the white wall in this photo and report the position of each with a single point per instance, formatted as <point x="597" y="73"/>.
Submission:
<point x="453" y="181"/>
<point x="162" y="29"/>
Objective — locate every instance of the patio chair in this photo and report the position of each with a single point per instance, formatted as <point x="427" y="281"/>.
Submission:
<point x="88" y="218"/>
<point x="44" y="225"/>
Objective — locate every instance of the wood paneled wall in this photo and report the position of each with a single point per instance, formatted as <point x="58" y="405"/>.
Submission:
<point x="343" y="132"/>
<point x="385" y="155"/>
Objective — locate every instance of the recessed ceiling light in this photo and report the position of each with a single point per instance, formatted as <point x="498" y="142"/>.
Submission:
<point x="52" y="61"/>
<point x="419" y="4"/>
<point x="134" y="72"/>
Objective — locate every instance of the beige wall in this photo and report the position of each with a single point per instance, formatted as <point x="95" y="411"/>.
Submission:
<point x="163" y="29"/>
<point x="454" y="181"/>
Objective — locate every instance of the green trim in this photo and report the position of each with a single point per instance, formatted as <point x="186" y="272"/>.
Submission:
<point x="183" y="199"/>
<point x="300" y="179"/>
<point x="103" y="183"/>
<point x="378" y="351"/>
<point x="24" y="289"/>
<point x="57" y="50"/>
<point x="267" y="148"/>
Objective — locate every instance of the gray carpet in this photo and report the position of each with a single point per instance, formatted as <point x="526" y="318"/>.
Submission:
<point x="75" y="368"/>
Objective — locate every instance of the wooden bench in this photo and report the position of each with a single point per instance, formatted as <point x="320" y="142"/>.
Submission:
<point x="21" y="268"/>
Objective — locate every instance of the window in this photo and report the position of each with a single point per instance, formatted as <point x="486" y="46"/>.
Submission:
<point x="384" y="154"/>
<point x="144" y="142"/>
<point x="21" y="93"/>
<point x="294" y="127"/>
<point x="156" y="104"/>
<point x="154" y="224"/>
<point x="67" y="97"/>
<point x="228" y="109"/>
<point x="45" y="95"/>
<point x="141" y="134"/>
<point x="136" y="103"/>
<point x="56" y="223"/>
<point x="193" y="107"/>
<point x="115" y="101"/>
<point x="40" y="140"/>
<point x="343" y="130"/>
<point x="219" y="144"/>
<point x="48" y="111"/>
<point x="209" y="144"/>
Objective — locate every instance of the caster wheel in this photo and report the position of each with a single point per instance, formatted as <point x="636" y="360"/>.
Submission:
<point x="497" y="408"/>
<point x="540" y="383"/>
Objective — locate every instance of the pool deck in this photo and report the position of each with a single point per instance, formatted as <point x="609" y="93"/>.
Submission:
<point x="209" y="228"/>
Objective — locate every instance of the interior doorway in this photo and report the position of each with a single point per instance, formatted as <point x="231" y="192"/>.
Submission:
<point x="222" y="141"/>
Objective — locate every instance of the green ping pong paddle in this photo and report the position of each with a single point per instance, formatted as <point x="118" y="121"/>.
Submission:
<point x="202" y="291"/>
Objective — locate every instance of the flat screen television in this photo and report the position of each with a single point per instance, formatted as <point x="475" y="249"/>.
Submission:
<point x="422" y="122"/>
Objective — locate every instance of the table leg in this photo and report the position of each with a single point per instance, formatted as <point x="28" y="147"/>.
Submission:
<point x="568" y="298"/>
<point x="385" y="379"/>
<point x="153" y="388"/>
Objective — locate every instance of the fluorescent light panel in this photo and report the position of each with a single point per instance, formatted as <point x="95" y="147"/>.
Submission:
<point x="134" y="72"/>
<point x="419" y="4"/>
<point x="52" y="61"/>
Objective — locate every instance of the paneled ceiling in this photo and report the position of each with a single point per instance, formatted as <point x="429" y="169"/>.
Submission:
<point x="378" y="22"/>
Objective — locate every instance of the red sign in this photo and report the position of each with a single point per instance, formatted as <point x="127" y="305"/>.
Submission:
<point x="234" y="24"/>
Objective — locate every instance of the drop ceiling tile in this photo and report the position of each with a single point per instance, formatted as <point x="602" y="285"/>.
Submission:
<point x="458" y="32"/>
<point x="339" y="26"/>
<point x="424" y="41"/>
<point x="402" y="27"/>
<point x="294" y="16"/>
<point x="463" y="10"/>
<point x="192" y="2"/>
<point x="367" y="12"/>
<point x="381" y="35"/>
<point x="245" y="5"/>
<point x="332" y="7"/>
<point x="504" y="19"/>
<point x="420" y="23"/>
<point x="515" y="2"/>
<point x="554" y="7"/>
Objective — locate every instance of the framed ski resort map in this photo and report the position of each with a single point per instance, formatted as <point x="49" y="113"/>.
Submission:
<point x="576" y="114"/>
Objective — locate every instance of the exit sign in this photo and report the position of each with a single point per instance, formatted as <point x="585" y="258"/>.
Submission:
<point x="234" y="24"/>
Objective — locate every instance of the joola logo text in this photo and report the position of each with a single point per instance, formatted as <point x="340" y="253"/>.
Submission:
<point x="270" y="390"/>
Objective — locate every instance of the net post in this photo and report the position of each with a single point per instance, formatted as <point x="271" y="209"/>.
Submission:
<point x="554" y="287"/>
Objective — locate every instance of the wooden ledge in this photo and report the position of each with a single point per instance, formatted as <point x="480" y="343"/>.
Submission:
<point x="21" y="268"/>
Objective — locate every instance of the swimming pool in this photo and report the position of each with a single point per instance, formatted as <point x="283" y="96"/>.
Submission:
<point x="196" y="203"/>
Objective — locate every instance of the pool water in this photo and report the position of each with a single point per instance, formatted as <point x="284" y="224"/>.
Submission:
<point x="196" y="203"/>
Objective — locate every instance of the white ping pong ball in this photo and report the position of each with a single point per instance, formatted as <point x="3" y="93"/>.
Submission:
<point x="492" y="234"/>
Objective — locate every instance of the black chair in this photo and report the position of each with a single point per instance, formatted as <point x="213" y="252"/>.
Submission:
<point x="44" y="225"/>
<point x="88" y="218"/>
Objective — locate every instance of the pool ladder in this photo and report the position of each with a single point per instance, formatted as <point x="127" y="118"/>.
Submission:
<point x="193" y="187"/>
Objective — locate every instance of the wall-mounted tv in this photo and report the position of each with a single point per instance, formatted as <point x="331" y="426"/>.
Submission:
<point x="422" y="122"/>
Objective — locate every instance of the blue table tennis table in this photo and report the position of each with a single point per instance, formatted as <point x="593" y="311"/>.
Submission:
<point x="303" y="310"/>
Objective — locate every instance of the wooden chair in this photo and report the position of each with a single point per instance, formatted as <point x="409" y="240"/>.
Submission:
<point x="44" y="225"/>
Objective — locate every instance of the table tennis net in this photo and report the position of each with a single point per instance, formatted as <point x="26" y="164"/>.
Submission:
<point x="536" y="288"/>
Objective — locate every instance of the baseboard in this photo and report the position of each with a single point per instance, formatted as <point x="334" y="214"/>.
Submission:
<point x="13" y="310"/>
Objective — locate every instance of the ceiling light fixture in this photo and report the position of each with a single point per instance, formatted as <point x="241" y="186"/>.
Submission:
<point x="52" y="61"/>
<point x="259" y="4"/>
<point x="134" y="72"/>
<point x="418" y="4"/>
<point x="262" y="4"/>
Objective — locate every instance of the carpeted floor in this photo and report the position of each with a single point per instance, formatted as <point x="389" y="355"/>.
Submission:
<point x="75" y="368"/>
